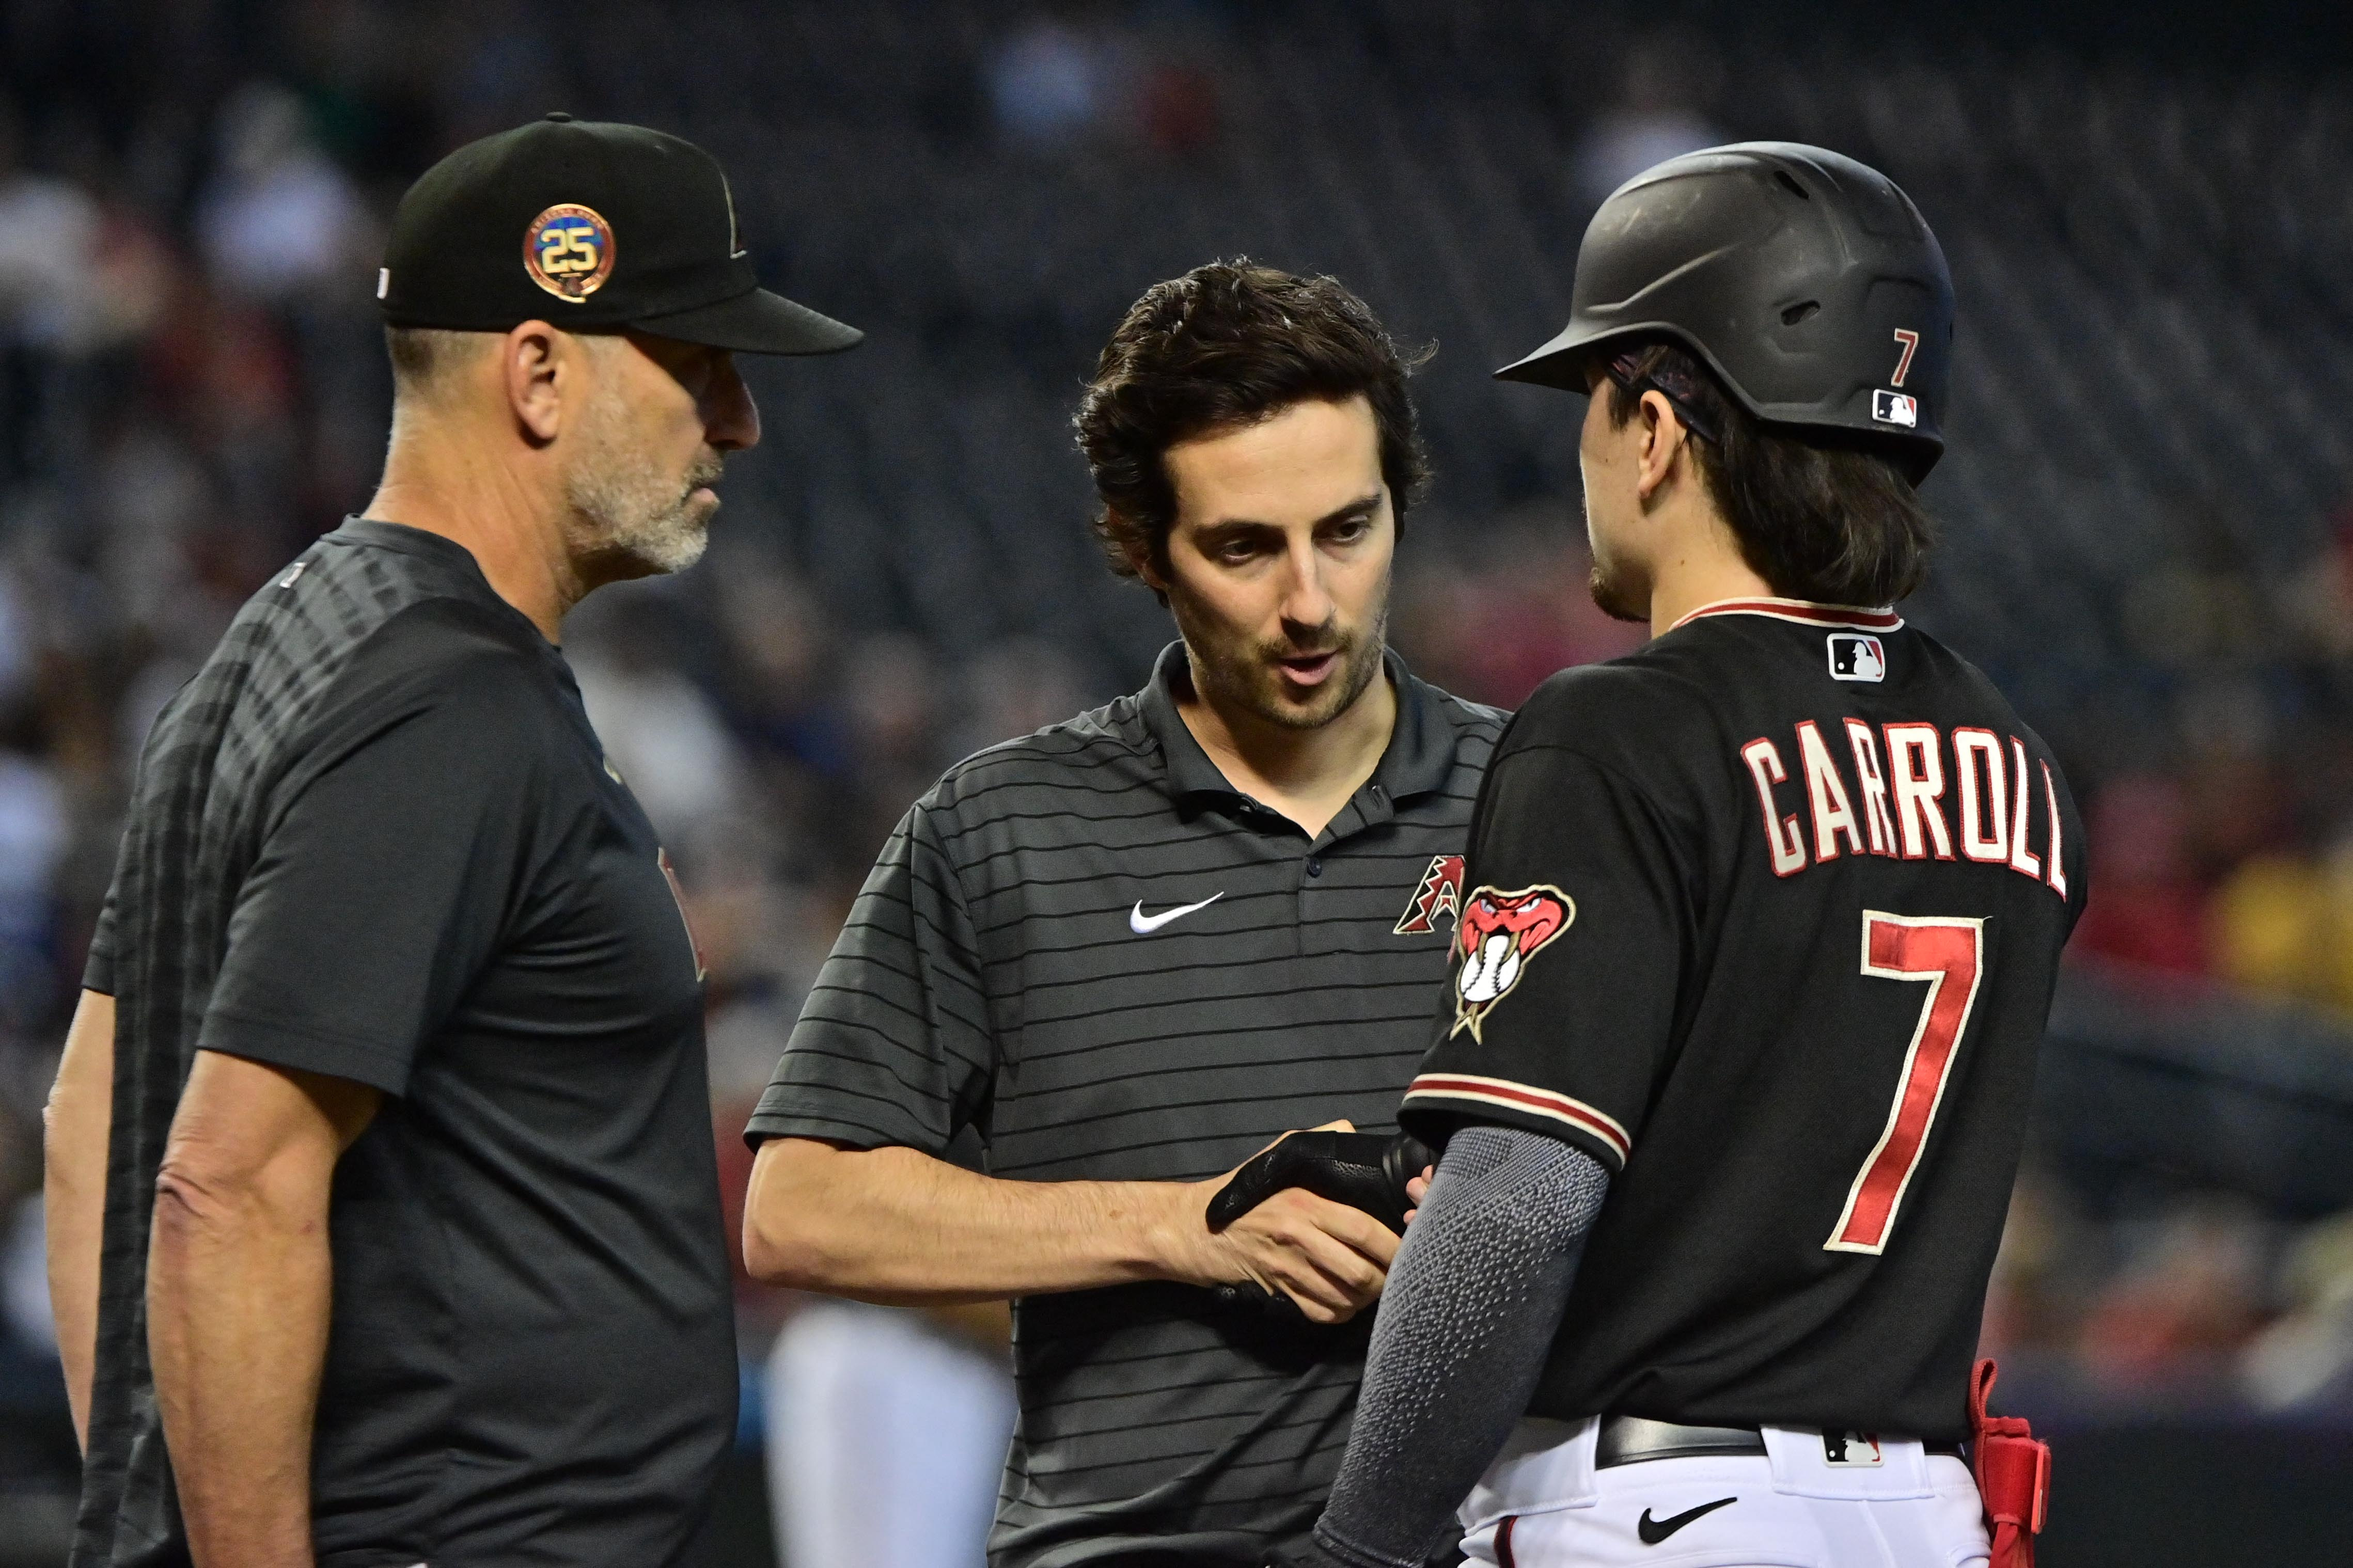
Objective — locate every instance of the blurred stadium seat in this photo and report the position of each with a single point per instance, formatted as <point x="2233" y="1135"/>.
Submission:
<point x="2149" y="506"/>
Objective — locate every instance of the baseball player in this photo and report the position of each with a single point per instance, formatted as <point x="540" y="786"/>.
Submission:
<point x="1115" y="958"/>
<point x="1758" y="937"/>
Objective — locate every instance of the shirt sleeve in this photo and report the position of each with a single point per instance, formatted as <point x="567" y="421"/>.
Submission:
<point x="98" y="969"/>
<point x="894" y="1046"/>
<point x="1567" y="956"/>
<point x="389" y="878"/>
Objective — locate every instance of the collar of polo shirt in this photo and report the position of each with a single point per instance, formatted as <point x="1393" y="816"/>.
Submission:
<point x="1416" y="761"/>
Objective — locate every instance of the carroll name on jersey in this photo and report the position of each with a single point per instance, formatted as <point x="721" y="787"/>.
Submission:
<point x="1765" y="918"/>
<point x="1924" y="791"/>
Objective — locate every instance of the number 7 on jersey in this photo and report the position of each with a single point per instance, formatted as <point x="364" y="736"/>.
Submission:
<point x="1948" y="954"/>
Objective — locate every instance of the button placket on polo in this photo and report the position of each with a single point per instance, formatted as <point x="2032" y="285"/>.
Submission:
<point x="1312" y="898"/>
<point x="1319" y="892"/>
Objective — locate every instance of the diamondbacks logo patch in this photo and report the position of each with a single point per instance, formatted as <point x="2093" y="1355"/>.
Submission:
<point x="568" y="251"/>
<point x="1497" y="935"/>
<point x="1439" y="893"/>
<point x="1854" y="656"/>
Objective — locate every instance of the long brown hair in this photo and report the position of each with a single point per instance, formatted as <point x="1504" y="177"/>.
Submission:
<point x="1823" y="518"/>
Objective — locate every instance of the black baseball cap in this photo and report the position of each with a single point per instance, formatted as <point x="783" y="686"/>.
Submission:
<point x="587" y="224"/>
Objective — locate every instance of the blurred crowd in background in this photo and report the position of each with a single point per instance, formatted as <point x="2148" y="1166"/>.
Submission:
<point x="2149" y="509"/>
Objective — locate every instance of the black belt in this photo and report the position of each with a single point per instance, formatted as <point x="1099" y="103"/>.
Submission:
<point x="1630" y="1439"/>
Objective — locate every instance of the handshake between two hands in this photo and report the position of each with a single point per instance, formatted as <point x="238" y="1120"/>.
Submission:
<point x="1312" y="1221"/>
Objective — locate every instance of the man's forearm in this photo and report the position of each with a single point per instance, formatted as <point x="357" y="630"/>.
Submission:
<point x="1461" y="1341"/>
<point x="239" y="1291"/>
<point x="899" y="1226"/>
<point x="896" y="1226"/>
<point x="75" y="1126"/>
<point x="238" y="1294"/>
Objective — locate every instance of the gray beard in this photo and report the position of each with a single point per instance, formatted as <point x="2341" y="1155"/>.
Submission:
<point x="631" y="512"/>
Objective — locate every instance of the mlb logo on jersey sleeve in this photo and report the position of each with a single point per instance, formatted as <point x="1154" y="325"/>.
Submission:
<point x="1854" y="656"/>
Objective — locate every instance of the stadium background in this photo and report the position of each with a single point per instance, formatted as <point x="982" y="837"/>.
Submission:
<point x="2148" y="510"/>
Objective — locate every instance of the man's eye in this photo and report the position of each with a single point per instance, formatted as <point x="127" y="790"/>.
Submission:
<point x="1354" y="529"/>
<point x="1236" y="550"/>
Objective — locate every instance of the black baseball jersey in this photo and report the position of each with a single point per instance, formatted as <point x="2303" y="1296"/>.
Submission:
<point x="1765" y="918"/>
<point x="375" y="838"/>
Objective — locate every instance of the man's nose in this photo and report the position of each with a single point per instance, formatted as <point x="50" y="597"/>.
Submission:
<point x="731" y="420"/>
<point x="1305" y="601"/>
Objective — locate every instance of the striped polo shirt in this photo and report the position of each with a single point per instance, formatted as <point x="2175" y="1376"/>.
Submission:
<point x="1088" y="952"/>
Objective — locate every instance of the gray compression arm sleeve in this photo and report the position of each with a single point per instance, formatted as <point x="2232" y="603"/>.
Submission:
<point x="1468" y="1314"/>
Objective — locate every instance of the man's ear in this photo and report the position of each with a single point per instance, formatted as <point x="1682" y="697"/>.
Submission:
<point x="541" y="369"/>
<point x="1139" y="560"/>
<point x="1663" y="437"/>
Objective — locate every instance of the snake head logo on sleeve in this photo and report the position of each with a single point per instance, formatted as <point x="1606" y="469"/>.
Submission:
<point x="1498" y="934"/>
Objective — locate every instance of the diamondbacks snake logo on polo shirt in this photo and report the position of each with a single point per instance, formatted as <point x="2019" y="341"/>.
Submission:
<point x="568" y="251"/>
<point x="1498" y="935"/>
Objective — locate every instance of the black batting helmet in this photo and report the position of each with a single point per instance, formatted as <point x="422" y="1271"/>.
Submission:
<point x="1807" y="281"/>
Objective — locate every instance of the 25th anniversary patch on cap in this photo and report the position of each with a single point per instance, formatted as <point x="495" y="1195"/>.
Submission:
<point x="450" y="260"/>
<point x="568" y="251"/>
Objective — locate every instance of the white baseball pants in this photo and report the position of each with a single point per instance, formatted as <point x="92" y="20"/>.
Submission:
<point x="1543" y="1505"/>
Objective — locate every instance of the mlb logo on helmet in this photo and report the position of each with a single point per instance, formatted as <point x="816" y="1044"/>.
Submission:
<point x="1854" y="656"/>
<point x="568" y="251"/>
<point x="1896" y="409"/>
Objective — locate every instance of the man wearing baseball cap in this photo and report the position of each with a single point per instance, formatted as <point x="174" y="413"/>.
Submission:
<point x="383" y="1221"/>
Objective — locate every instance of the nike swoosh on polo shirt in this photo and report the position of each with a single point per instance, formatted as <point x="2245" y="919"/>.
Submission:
<point x="1142" y="924"/>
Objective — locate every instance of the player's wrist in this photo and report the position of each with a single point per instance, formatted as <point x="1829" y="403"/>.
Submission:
<point x="1322" y="1550"/>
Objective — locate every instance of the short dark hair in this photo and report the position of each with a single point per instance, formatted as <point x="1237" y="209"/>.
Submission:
<point x="1223" y="347"/>
<point x="421" y="356"/>
<point x="1823" y="517"/>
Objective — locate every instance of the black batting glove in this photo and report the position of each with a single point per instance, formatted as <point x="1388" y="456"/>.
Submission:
<point x="1365" y="1170"/>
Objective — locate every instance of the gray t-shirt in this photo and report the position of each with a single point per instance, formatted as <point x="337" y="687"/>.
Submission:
<point x="1088" y="951"/>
